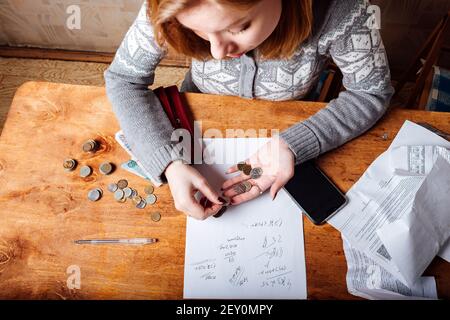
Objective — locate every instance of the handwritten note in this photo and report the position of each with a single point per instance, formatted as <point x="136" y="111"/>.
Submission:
<point x="255" y="250"/>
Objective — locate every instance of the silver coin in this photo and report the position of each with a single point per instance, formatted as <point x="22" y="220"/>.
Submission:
<point x="141" y="205"/>
<point x="134" y="194"/>
<point x="118" y="195"/>
<point x="127" y="192"/>
<point x="151" y="199"/>
<point x="105" y="168"/>
<point x="85" y="171"/>
<point x="99" y="190"/>
<point x="112" y="187"/>
<point x="94" y="194"/>
<point x="255" y="173"/>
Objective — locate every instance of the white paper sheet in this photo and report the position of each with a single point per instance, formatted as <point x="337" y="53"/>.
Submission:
<point x="254" y="250"/>
<point x="414" y="240"/>
<point x="366" y="279"/>
<point x="381" y="197"/>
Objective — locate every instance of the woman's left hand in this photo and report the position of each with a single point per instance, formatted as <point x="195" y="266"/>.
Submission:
<point x="277" y="163"/>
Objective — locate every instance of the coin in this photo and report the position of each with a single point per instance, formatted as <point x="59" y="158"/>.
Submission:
<point x="69" y="164"/>
<point x="156" y="216"/>
<point x="241" y="165"/>
<point x="247" y="169"/>
<point x="247" y="186"/>
<point x="99" y="190"/>
<point x="149" y="189"/>
<point x="118" y="195"/>
<point x="151" y="199"/>
<point x="122" y="184"/>
<point x="255" y="173"/>
<point x="204" y="202"/>
<point x="94" y="195"/>
<point x="239" y="188"/>
<point x="137" y="199"/>
<point x="141" y="204"/>
<point x="220" y="212"/>
<point x="85" y="171"/>
<point x="112" y="187"/>
<point x="127" y="192"/>
<point x="225" y="200"/>
<point x="134" y="193"/>
<point x="90" y="146"/>
<point x="106" y="168"/>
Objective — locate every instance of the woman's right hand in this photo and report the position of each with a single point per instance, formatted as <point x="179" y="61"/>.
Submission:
<point x="184" y="182"/>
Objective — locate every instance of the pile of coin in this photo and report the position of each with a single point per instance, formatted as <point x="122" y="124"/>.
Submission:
<point x="69" y="164"/>
<point x="90" y="146"/>
<point x="120" y="189"/>
<point x="122" y="192"/>
<point x="95" y="194"/>
<point x="247" y="169"/>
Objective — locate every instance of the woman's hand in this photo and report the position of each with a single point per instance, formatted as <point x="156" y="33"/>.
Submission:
<point x="184" y="181"/>
<point x="277" y="163"/>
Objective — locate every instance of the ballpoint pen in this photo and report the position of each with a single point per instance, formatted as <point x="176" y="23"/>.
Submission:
<point x="118" y="241"/>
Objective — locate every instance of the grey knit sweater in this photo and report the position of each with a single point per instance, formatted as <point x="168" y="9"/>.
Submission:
<point x="341" y="32"/>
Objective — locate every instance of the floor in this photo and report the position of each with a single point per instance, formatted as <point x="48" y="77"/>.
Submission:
<point x="14" y="72"/>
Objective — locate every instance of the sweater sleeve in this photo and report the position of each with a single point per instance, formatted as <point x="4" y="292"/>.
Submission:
<point x="358" y="51"/>
<point x="138" y="110"/>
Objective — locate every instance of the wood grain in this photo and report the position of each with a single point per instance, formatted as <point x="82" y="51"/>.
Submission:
<point x="43" y="209"/>
<point x="172" y="59"/>
<point x="14" y="72"/>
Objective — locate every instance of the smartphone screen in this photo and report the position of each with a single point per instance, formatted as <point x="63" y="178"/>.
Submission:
<point x="316" y="195"/>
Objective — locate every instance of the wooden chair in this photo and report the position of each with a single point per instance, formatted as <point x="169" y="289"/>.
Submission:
<point x="430" y="52"/>
<point x="332" y="85"/>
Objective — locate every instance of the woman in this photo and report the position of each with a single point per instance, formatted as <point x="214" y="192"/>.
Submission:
<point x="265" y="49"/>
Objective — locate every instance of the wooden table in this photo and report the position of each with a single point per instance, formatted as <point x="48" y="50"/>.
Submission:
<point x="43" y="208"/>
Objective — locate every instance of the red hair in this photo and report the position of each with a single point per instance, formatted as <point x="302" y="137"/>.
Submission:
<point x="293" y="29"/>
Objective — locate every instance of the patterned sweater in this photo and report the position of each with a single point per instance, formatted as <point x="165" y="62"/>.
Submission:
<point x="341" y="32"/>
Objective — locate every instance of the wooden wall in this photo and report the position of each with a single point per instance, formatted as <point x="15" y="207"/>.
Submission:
<point x="405" y="26"/>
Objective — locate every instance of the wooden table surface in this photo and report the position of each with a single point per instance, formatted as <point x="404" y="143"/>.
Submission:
<point x="43" y="208"/>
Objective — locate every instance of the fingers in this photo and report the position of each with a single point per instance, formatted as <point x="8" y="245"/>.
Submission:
<point x="230" y="182"/>
<point x="276" y="186"/>
<point x="251" y="194"/>
<point x="203" y="186"/>
<point x="232" y="169"/>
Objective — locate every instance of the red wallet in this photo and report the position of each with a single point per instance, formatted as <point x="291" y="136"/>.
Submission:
<point x="176" y="111"/>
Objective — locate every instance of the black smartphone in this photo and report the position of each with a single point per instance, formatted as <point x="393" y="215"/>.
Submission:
<point x="314" y="192"/>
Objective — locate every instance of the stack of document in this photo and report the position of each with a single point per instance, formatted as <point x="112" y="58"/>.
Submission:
<point x="397" y="219"/>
